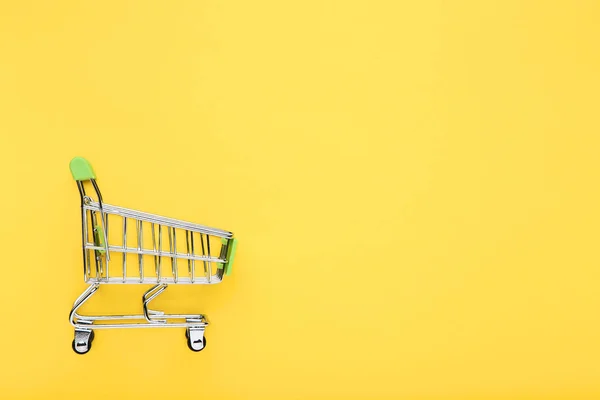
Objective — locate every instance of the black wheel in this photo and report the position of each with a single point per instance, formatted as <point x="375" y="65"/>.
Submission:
<point x="190" y="345"/>
<point x="89" y="347"/>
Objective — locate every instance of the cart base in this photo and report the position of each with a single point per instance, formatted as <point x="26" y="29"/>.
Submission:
<point x="84" y="325"/>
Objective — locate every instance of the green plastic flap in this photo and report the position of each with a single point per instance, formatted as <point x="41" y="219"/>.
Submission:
<point x="81" y="169"/>
<point x="99" y="238"/>
<point x="230" y="255"/>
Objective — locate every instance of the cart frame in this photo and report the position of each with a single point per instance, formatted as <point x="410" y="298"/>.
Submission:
<point x="98" y="251"/>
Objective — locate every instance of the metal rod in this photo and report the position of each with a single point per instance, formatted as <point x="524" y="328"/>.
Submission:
<point x="147" y="252"/>
<point x="124" y="247"/>
<point x="208" y="254"/>
<point x="150" y="295"/>
<point x="154" y="247"/>
<point x="81" y="190"/>
<point x="182" y="280"/>
<point x="86" y="252"/>
<point x="173" y="251"/>
<point x="96" y="252"/>
<point x="193" y="260"/>
<point x="159" y="251"/>
<point x="140" y="254"/>
<point x="146" y="217"/>
<point x="206" y="272"/>
<point x="107" y="255"/>
<point x="187" y="243"/>
<point x="174" y="259"/>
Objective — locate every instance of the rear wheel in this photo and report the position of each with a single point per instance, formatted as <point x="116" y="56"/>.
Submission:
<point x="84" y="344"/>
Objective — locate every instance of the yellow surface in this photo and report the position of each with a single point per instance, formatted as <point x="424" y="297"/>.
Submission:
<point x="414" y="185"/>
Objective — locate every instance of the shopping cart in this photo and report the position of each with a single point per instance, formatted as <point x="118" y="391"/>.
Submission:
<point x="142" y="248"/>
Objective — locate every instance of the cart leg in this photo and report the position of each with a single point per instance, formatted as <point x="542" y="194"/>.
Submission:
<point x="150" y="295"/>
<point x="84" y="335"/>
<point x="77" y="320"/>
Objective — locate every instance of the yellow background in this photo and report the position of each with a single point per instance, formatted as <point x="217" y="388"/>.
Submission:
<point x="414" y="185"/>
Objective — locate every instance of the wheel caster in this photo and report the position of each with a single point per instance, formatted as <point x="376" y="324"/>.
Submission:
<point x="197" y="341"/>
<point x="82" y="342"/>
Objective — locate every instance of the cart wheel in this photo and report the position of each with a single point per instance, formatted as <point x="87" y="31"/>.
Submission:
<point x="194" y="345"/>
<point x="82" y="346"/>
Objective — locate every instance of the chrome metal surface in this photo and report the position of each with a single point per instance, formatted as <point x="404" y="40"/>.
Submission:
<point x="195" y="338"/>
<point x="149" y="319"/>
<point x="99" y="245"/>
<point x="143" y="247"/>
<point x="82" y="341"/>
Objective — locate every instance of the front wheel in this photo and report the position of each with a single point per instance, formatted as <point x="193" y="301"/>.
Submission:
<point x="195" y="342"/>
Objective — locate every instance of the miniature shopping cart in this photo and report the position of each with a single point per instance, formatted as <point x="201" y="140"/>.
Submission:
<point x="123" y="246"/>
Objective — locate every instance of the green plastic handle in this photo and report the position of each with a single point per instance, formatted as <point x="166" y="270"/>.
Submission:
<point x="81" y="169"/>
<point x="230" y="255"/>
